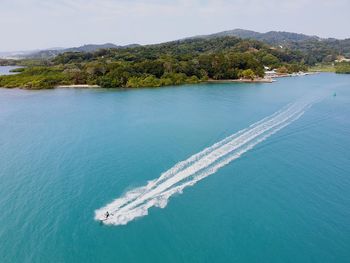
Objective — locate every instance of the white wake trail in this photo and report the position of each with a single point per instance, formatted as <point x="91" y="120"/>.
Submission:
<point x="135" y="203"/>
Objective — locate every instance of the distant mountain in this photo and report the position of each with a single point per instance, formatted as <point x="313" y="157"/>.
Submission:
<point x="45" y="54"/>
<point x="271" y="37"/>
<point x="50" y="53"/>
<point x="318" y="49"/>
<point x="16" y="54"/>
<point x="90" y="48"/>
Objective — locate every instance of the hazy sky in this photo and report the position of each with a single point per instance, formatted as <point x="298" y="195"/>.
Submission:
<point x="31" y="24"/>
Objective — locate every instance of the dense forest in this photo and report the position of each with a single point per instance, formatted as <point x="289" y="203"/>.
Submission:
<point x="190" y="60"/>
<point x="172" y="63"/>
<point x="226" y="55"/>
<point x="316" y="49"/>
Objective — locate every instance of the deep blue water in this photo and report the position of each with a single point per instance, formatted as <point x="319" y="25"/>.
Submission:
<point x="65" y="153"/>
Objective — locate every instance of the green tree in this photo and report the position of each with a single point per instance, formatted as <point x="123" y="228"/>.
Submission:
<point x="248" y="74"/>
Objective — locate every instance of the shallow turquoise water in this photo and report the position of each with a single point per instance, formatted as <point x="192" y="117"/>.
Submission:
<point x="66" y="152"/>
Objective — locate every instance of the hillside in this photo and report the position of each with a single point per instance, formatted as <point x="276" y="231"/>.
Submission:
<point x="226" y="55"/>
<point x="53" y="52"/>
<point x="315" y="49"/>
<point x="271" y="37"/>
<point x="45" y="54"/>
<point x="171" y="63"/>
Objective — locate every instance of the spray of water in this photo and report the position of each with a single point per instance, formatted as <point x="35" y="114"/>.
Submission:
<point x="156" y="193"/>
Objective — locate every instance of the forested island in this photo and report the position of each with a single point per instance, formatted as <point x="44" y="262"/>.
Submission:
<point x="190" y="60"/>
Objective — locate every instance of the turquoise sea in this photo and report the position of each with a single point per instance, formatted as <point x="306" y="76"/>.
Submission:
<point x="65" y="153"/>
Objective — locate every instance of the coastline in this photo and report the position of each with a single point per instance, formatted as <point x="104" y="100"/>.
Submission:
<point x="257" y="80"/>
<point x="266" y="79"/>
<point x="298" y="74"/>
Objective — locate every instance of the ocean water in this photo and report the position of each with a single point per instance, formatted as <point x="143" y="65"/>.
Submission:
<point x="66" y="153"/>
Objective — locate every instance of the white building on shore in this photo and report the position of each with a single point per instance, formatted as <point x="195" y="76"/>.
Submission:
<point x="270" y="73"/>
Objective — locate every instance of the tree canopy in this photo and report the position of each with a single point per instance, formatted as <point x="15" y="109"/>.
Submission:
<point x="172" y="63"/>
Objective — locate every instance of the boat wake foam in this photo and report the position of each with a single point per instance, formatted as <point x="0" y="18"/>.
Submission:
<point x="136" y="202"/>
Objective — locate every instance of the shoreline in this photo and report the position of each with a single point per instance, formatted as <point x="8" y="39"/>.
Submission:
<point x="79" y="86"/>
<point x="266" y="79"/>
<point x="257" y="80"/>
<point x="269" y="79"/>
<point x="298" y="74"/>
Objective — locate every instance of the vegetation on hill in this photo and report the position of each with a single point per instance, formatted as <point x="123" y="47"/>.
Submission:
<point x="271" y="37"/>
<point x="342" y="67"/>
<point x="47" y="54"/>
<point x="315" y="49"/>
<point x="172" y="63"/>
<point x="51" y="53"/>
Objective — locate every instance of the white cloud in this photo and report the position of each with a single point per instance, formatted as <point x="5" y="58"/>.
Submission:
<point x="40" y="23"/>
